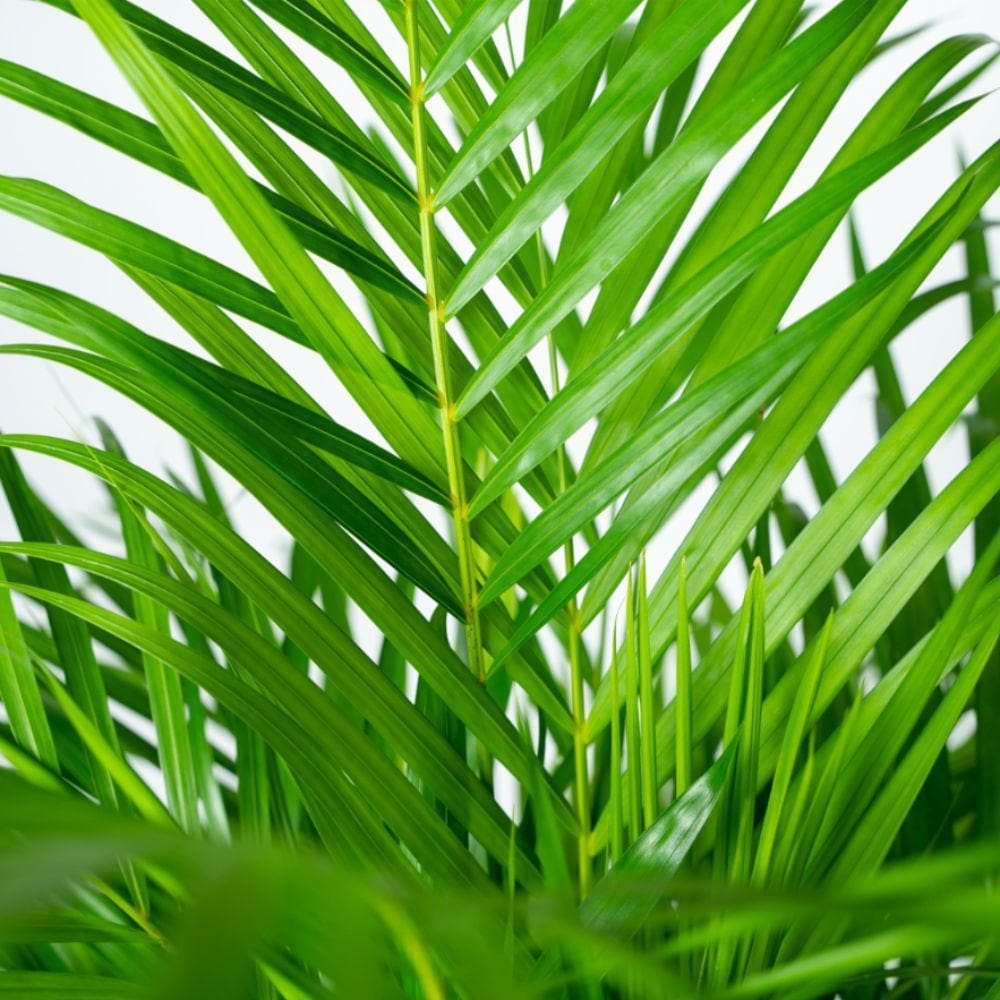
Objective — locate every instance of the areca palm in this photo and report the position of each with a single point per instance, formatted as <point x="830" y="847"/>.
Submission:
<point x="563" y="769"/>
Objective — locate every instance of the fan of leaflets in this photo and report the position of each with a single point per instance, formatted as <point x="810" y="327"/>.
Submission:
<point x="564" y="773"/>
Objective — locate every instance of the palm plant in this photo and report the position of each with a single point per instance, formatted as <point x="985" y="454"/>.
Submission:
<point x="560" y="772"/>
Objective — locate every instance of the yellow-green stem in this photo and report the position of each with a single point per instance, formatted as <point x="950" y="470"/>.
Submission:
<point x="134" y="913"/>
<point x="412" y="946"/>
<point x="439" y="346"/>
<point x="581" y="784"/>
<point x="633" y="767"/>
<point x="617" y="822"/>
<point x="682" y="697"/>
<point x="648" y="711"/>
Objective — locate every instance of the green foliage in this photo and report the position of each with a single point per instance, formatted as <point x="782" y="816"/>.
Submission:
<point x="572" y="768"/>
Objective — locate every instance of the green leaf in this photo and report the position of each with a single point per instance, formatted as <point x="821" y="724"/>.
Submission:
<point x="166" y="699"/>
<point x="595" y="490"/>
<point x="65" y="315"/>
<point x="66" y="986"/>
<point x="478" y="20"/>
<point x="22" y="700"/>
<point x="548" y="70"/>
<point x="769" y="293"/>
<point x="269" y="661"/>
<point x="72" y="639"/>
<point x="131" y="244"/>
<point x="678" y="170"/>
<point x="217" y="965"/>
<point x="736" y="394"/>
<point x="63" y="926"/>
<point x="248" y="448"/>
<point x="303" y="714"/>
<point x="323" y="34"/>
<point x="194" y="56"/>
<point x="861" y="778"/>
<point x="108" y="756"/>
<point x="646" y="73"/>
<point x="795" y="731"/>
<point x="682" y="689"/>
<point x="628" y="356"/>
<point x="647" y="706"/>
<point x="746" y="202"/>
<point x="864" y="616"/>
<point x="787" y="430"/>
<point x="748" y="750"/>
<point x="873" y="836"/>
<point x="143" y="141"/>
<point x="300" y="619"/>
<point x="318" y="310"/>
<point x="658" y="853"/>
<point x="633" y="740"/>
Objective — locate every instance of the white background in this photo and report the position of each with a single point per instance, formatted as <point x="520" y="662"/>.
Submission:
<point x="36" y="397"/>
